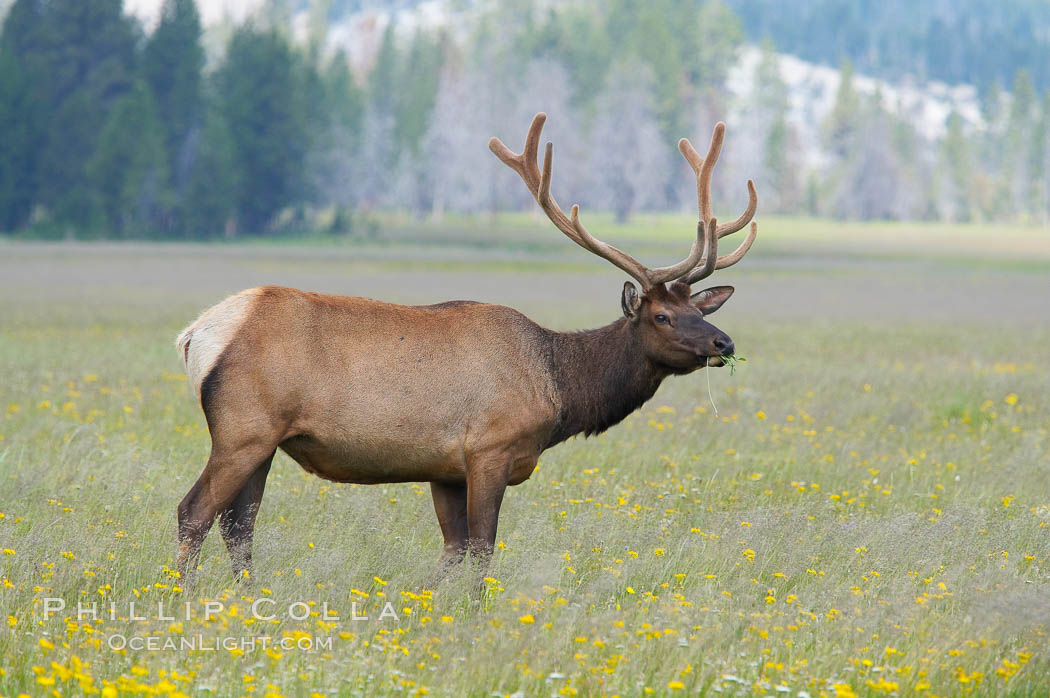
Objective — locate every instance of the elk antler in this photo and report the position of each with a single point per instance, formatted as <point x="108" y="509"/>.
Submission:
<point x="703" y="166"/>
<point x="539" y="185"/>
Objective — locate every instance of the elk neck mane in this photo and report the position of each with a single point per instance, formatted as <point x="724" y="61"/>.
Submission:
<point x="600" y="377"/>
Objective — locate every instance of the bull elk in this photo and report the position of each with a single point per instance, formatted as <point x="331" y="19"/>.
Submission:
<point x="462" y="395"/>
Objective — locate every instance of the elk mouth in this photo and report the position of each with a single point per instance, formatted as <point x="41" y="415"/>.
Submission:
<point x="715" y="361"/>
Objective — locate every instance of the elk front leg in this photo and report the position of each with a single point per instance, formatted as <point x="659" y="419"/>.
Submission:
<point x="485" y="488"/>
<point x="450" y="505"/>
<point x="237" y="521"/>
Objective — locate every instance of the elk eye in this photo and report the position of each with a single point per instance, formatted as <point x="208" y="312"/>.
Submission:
<point x="662" y="319"/>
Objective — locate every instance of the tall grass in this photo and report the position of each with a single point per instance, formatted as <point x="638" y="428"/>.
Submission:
<point x="867" y="515"/>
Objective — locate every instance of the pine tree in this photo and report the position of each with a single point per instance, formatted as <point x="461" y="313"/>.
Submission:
<point x="873" y="180"/>
<point x="576" y="38"/>
<point x="916" y="194"/>
<point x="414" y="106"/>
<point x="1020" y="125"/>
<point x="76" y="59"/>
<point x="840" y="128"/>
<point x="92" y="65"/>
<point x="656" y="45"/>
<point x="332" y="162"/>
<point x="1022" y="99"/>
<point x="129" y="170"/>
<point x="715" y="43"/>
<point x="17" y="155"/>
<point x="842" y="143"/>
<point x="172" y="64"/>
<point x="379" y="152"/>
<point x="344" y="100"/>
<point x="417" y="90"/>
<point x="382" y="80"/>
<point x="1039" y="162"/>
<point x="958" y="163"/>
<point x="24" y="106"/>
<point x="263" y="105"/>
<point x="779" y="175"/>
<point x="990" y="145"/>
<point x="213" y="182"/>
<point x="991" y="103"/>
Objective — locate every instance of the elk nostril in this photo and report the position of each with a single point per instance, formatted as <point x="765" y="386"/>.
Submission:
<point x="723" y="345"/>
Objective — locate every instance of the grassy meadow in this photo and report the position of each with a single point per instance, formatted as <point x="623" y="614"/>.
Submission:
<point x="862" y="509"/>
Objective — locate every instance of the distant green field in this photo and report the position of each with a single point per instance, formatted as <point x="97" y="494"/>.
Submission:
<point x="866" y="514"/>
<point x="527" y="237"/>
<point x="782" y="233"/>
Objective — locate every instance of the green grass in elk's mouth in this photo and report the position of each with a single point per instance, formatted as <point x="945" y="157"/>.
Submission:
<point x="731" y="361"/>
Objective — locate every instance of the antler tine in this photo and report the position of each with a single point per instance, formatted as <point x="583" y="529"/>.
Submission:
<point x="703" y="167"/>
<point x="709" y="263"/>
<point x="539" y="185"/>
<point x="703" y="184"/>
<point x="649" y="277"/>
<point x="519" y="162"/>
<point x="524" y="164"/>
<point x="645" y="276"/>
<point x="746" y="216"/>
<point x="738" y="254"/>
<point x="690" y="154"/>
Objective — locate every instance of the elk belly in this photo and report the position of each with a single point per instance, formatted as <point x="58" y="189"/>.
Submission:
<point x="374" y="460"/>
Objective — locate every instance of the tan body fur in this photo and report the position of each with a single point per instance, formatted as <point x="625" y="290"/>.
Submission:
<point x="435" y="401"/>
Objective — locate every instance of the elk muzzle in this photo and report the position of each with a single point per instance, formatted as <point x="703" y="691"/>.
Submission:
<point x="718" y="346"/>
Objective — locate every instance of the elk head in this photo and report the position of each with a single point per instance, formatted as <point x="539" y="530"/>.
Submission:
<point x="667" y="320"/>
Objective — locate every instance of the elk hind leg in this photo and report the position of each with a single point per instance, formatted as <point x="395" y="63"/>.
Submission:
<point x="228" y="471"/>
<point x="237" y="521"/>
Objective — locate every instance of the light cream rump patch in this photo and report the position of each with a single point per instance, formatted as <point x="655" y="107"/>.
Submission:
<point x="201" y="344"/>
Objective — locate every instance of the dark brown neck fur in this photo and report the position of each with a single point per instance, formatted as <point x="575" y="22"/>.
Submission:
<point x="601" y="376"/>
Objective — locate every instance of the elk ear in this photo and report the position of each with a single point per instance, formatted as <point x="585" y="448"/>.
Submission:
<point x="630" y="300"/>
<point x="711" y="299"/>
